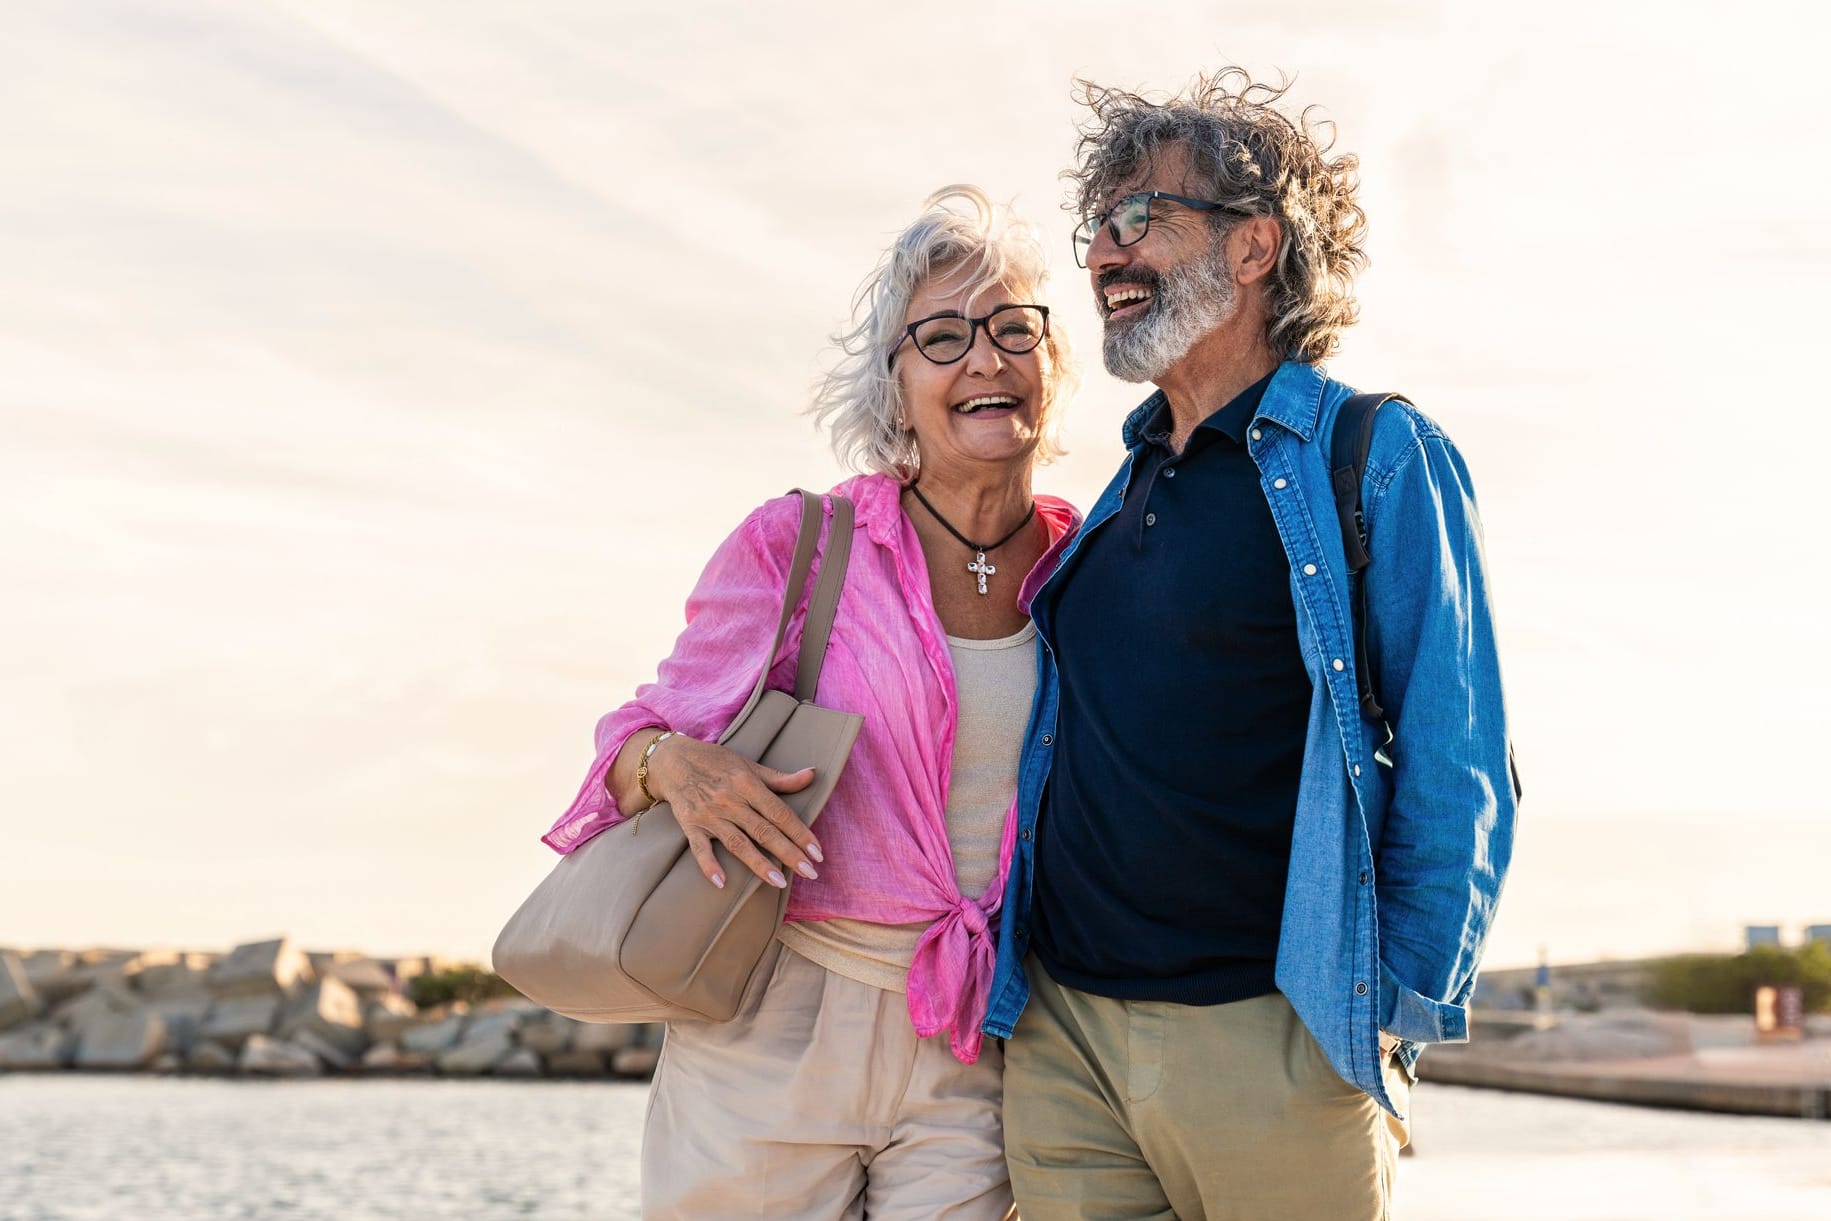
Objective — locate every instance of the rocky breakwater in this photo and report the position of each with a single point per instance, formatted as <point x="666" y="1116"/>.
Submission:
<point x="268" y="1009"/>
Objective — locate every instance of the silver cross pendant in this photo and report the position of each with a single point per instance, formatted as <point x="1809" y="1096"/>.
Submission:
<point x="983" y="570"/>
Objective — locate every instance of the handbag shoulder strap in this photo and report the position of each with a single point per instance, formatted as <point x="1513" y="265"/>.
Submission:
<point x="824" y="604"/>
<point x="825" y="600"/>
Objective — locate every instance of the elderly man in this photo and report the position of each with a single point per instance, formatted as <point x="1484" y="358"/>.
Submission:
<point x="1266" y="802"/>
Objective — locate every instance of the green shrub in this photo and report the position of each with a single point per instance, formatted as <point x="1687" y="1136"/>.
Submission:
<point x="1723" y="983"/>
<point x="456" y="984"/>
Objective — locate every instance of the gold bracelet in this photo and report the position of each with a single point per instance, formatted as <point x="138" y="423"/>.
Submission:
<point x="642" y="763"/>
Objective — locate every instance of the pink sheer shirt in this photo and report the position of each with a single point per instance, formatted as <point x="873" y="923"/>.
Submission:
<point x="884" y="830"/>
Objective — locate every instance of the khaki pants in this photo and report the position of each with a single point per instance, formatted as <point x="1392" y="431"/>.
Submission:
<point x="1141" y="1109"/>
<point x="818" y="1101"/>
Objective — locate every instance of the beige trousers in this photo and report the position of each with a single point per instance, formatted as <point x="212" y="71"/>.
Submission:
<point x="818" y="1101"/>
<point x="1140" y="1109"/>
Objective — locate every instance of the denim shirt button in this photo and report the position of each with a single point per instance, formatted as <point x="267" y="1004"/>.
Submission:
<point x="1357" y="769"/>
<point x="1256" y="434"/>
<point x="1339" y="664"/>
<point x="1279" y="484"/>
<point x="1026" y="835"/>
<point x="1309" y="570"/>
<point x="1048" y="738"/>
<point x="1360" y="989"/>
<point x="1363" y="872"/>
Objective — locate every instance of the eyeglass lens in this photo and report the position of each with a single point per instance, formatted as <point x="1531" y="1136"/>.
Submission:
<point x="1129" y="219"/>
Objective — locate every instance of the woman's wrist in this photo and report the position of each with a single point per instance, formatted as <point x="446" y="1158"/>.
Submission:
<point x="645" y="776"/>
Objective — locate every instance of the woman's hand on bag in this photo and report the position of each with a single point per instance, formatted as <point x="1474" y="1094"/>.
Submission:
<point x="717" y="794"/>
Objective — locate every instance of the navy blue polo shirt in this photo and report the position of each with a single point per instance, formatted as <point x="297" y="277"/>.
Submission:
<point x="1164" y="837"/>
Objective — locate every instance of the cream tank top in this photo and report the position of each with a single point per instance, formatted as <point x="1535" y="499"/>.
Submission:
<point x="996" y="682"/>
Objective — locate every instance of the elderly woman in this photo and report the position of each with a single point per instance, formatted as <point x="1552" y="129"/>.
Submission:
<point x="833" y="1093"/>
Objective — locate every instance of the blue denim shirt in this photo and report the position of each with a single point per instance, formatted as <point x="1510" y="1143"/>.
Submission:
<point x="1397" y="855"/>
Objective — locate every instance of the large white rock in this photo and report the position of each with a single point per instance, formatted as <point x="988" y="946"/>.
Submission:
<point x="549" y="1034"/>
<point x="489" y="1025"/>
<point x="121" y="1040"/>
<point x="605" y="1036"/>
<point x="41" y="965"/>
<point x="575" y="1064"/>
<point x="183" y="1014"/>
<point x="107" y="1001"/>
<point x="333" y="1056"/>
<point x="233" y="1020"/>
<point x="366" y="976"/>
<point x="97" y="969"/>
<point x="265" y="1057"/>
<point x="518" y="1063"/>
<point x="19" y="1001"/>
<point x="433" y="1037"/>
<point x="52" y="974"/>
<point x="332" y="1011"/>
<point x="474" y="1056"/>
<point x="409" y="968"/>
<point x="387" y="1018"/>
<point x="388" y="1058"/>
<point x="261" y="968"/>
<point x="41" y="1046"/>
<point x="635" y="1061"/>
<point x="170" y="974"/>
<point x="210" y="1058"/>
<point x="323" y="960"/>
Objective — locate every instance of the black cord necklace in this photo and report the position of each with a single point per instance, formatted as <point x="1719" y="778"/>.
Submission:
<point x="978" y="567"/>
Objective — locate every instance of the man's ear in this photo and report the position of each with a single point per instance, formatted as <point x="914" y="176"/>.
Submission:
<point x="1253" y="248"/>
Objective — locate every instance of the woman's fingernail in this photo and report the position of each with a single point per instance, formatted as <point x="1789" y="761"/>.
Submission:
<point x="777" y="880"/>
<point x="814" y="851"/>
<point x="718" y="880"/>
<point x="806" y="870"/>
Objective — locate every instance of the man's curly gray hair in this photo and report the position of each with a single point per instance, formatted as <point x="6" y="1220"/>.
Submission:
<point x="1246" y="153"/>
<point x="963" y="238"/>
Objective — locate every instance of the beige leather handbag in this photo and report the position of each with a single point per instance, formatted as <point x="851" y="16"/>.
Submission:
<point x="627" y="929"/>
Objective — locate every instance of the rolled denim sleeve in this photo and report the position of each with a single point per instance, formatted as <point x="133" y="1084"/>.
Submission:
<point x="1443" y="849"/>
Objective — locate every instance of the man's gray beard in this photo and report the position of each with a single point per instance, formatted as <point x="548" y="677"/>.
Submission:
<point x="1189" y="302"/>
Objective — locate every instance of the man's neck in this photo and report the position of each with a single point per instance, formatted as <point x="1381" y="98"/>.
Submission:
<point x="1220" y="365"/>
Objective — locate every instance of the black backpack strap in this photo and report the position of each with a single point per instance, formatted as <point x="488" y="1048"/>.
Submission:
<point x="1349" y="446"/>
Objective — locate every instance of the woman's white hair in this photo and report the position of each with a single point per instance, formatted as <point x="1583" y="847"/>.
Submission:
<point x="964" y="237"/>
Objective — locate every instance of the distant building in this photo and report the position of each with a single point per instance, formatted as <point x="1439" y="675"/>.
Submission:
<point x="1819" y="932"/>
<point x="1760" y="934"/>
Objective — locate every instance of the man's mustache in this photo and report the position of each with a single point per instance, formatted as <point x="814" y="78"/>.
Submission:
<point x="1126" y="275"/>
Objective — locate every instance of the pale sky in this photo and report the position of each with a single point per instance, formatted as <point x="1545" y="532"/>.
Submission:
<point x="375" y="380"/>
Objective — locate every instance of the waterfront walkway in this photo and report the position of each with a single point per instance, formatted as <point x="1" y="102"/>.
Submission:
<point x="1785" y="1079"/>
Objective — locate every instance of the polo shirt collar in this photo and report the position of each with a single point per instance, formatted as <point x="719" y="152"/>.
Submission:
<point x="1292" y="399"/>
